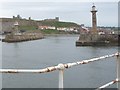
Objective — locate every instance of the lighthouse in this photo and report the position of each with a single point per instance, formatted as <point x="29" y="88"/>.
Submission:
<point x="94" y="20"/>
<point x="95" y="39"/>
<point x="16" y="25"/>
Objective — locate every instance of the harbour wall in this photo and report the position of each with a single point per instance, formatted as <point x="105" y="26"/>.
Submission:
<point x="24" y="37"/>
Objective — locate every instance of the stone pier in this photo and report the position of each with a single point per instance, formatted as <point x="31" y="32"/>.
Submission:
<point x="23" y="37"/>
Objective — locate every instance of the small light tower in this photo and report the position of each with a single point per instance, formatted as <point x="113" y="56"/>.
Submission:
<point x="16" y="25"/>
<point x="94" y="20"/>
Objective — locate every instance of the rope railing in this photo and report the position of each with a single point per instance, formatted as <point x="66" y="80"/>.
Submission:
<point x="61" y="68"/>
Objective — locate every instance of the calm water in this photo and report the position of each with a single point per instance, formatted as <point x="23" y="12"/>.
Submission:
<point x="51" y="51"/>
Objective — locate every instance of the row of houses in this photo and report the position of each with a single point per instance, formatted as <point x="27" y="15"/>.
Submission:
<point x="100" y="31"/>
<point x="59" y="28"/>
<point x="46" y="27"/>
<point x="81" y="29"/>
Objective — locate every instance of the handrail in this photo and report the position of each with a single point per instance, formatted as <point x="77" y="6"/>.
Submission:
<point x="61" y="68"/>
<point x="58" y="67"/>
<point x="108" y="84"/>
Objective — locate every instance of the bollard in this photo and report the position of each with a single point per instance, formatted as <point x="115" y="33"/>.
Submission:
<point x="61" y="72"/>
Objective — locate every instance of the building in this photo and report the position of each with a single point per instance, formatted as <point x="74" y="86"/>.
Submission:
<point x="68" y="29"/>
<point x="46" y="27"/>
<point x="84" y="30"/>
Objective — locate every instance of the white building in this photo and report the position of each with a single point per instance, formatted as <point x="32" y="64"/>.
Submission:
<point x="46" y="27"/>
<point x="66" y="29"/>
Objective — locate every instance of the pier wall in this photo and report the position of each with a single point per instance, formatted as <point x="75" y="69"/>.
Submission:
<point x="24" y="37"/>
<point x="98" y="40"/>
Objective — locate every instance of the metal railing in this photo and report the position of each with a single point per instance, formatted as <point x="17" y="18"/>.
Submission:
<point x="61" y="68"/>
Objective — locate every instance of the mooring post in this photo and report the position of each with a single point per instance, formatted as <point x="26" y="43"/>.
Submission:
<point x="61" y="73"/>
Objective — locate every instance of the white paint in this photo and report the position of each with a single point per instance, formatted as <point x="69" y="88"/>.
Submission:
<point x="106" y="85"/>
<point x="61" y="72"/>
<point x="118" y="67"/>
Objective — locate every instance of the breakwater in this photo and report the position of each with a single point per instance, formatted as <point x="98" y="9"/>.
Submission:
<point x="98" y="40"/>
<point x="96" y="43"/>
<point x="22" y="37"/>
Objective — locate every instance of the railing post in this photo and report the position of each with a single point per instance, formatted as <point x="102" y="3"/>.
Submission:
<point x="118" y="67"/>
<point x="118" y="71"/>
<point x="61" y="73"/>
<point x="61" y="79"/>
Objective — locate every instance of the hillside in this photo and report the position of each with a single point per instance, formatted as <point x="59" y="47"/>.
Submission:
<point x="58" y="24"/>
<point x="49" y="23"/>
<point x="25" y="24"/>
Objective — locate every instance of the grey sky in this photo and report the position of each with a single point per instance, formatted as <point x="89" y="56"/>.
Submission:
<point x="78" y="12"/>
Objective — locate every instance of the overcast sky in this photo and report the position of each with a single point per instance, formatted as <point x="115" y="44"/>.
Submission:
<point x="69" y="10"/>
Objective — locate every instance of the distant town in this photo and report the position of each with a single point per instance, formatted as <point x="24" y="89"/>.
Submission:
<point x="49" y="26"/>
<point x="19" y="29"/>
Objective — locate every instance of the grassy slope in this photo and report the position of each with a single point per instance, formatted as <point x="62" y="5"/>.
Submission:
<point x="59" y="24"/>
<point x="50" y="23"/>
<point x="49" y="31"/>
<point x="27" y="28"/>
